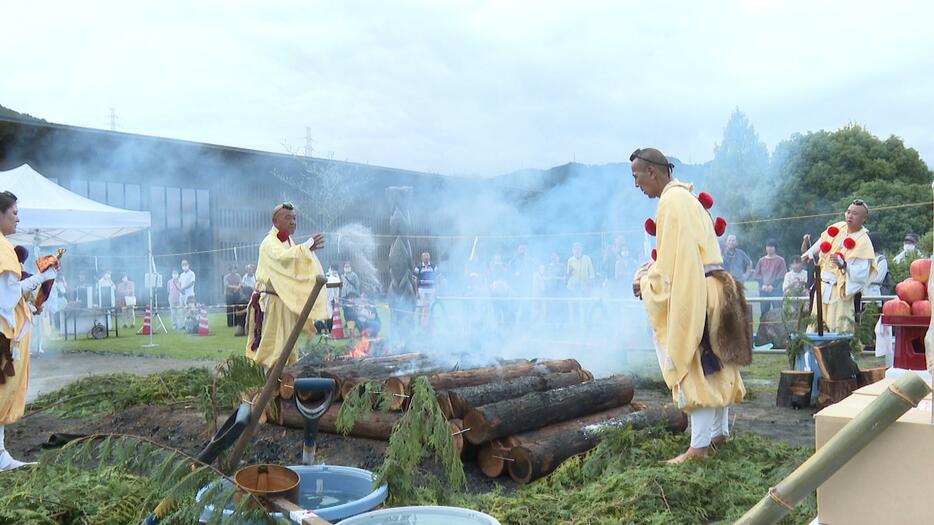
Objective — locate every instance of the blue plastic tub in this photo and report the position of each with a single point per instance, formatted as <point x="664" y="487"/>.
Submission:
<point x="423" y="516"/>
<point x="333" y="492"/>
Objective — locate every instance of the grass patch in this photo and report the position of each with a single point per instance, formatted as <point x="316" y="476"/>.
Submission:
<point x="218" y="346"/>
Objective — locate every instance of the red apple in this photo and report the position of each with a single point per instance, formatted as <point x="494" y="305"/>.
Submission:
<point x="911" y="290"/>
<point x="921" y="270"/>
<point x="896" y="307"/>
<point x="922" y="308"/>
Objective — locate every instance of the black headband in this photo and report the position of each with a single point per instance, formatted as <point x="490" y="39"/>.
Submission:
<point x="636" y="155"/>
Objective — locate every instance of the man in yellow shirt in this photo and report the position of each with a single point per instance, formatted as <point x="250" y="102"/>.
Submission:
<point x="285" y="276"/>
<point x="697" y="309"/>
<point x="847" y="263"/>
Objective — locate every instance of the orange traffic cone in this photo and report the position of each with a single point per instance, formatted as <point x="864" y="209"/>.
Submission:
<point x="337" y="330"/>
<point x="203" y="322"/>
<point x="147" y="323"/>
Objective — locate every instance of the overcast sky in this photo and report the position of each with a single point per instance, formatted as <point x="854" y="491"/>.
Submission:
<point x="473" y="87"/>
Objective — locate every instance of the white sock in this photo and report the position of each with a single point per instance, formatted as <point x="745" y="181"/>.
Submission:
<point x="6" y="460"/>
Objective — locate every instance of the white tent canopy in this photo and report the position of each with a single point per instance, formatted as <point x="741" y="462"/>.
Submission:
<point x="50" y="215"/>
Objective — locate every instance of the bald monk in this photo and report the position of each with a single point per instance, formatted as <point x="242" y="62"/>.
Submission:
<point x="847" y="262"/>
<point x="696" y="308"/>
<point x="285" y="276"/>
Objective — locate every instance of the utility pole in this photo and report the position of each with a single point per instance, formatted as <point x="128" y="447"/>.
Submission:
<point x="308" y="148"/>
<point x="113" y="119"/>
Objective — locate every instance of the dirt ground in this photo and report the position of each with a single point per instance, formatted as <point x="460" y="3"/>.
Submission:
<point x="185" y="429"/>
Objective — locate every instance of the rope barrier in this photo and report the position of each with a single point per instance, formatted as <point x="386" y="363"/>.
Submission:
<point x="511" y="236"/>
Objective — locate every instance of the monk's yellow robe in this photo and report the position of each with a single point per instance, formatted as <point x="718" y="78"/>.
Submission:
<point x="286" y="274"/>
<point x="13" y="391"/>
<point x="678" y="298"/>
<point x="839" y="286"/>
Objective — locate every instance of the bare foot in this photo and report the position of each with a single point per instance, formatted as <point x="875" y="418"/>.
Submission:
<point x="690" y="454"/>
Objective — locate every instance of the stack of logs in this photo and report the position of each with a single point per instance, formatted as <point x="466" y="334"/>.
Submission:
<point x="522" y="417"/>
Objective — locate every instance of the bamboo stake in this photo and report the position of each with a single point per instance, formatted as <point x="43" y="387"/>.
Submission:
<point x="929" y="337"/>
<point x="853" y="437"/>
<point x="272" y="381"/>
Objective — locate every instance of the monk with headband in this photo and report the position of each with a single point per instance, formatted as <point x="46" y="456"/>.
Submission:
<point x="285" y="276"/>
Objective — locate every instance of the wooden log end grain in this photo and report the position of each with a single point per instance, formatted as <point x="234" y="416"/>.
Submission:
<point x="396" y="386"/>
<point x="492" y="458"/>
<point x="456" y="426"/>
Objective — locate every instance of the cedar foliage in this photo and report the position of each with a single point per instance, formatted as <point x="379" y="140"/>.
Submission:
<point x="108" y="393"/>
<point x="116" y="479"/>
<point x="422" y="433"/>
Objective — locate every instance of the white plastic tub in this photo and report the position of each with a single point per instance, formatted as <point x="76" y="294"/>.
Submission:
<point x="422" y="516"/>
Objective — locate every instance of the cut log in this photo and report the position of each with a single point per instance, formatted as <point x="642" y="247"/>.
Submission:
<point x="794" y="389"/>
<point x="834" y="390"/>
<point x="456" y="432"/>
<point x="376" y="367"/>
<point x="444" y="402"/>
<point x="378" y="425"/>
<point x="539" y="409"/>
<point x="493" y="457"/>
<point x="536" y="459"/>
<point x="399" y="385"/>
<point x="835" y="360"/>
<point x="463" y="399"/>
<point x="868" y="376"/>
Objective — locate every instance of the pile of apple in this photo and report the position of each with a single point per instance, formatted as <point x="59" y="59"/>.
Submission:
<point x="912" y="292"/>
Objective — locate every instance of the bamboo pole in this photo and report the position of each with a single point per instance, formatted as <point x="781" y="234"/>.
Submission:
<point x="272" y="380"/>
<point x="929" y="337"/>
<point x="853" y="437"/>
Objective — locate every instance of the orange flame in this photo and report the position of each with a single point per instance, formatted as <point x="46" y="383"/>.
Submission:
<point x="361" y="349"/>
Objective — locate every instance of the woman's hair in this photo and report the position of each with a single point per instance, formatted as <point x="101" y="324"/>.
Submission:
<point x="7" y="200"/>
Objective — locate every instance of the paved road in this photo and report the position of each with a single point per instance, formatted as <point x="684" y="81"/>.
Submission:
<point x="53" y="370"/>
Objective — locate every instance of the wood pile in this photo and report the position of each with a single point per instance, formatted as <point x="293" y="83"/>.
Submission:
<point x="521" y="417"/>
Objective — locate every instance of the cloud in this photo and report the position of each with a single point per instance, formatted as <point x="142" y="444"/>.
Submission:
<point x="474" y="87"/>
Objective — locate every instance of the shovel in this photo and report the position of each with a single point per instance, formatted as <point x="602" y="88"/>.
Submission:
<point x="312" y="414"/>
<point x="222" y="439"/>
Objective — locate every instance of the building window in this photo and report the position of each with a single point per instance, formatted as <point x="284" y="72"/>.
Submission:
<point x="173" y="208"/>
<point x="189" y="209"/>
<point x="97" y="191"/>
<point x="78" y="186"/>
<point x="115" y="195"/>
<point x="204" y="209"/>
<point x="133" y="197"/>
<point x="157" y="207"/>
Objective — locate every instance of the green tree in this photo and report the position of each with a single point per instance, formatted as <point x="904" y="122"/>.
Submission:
<point x="740" y="160"/>
<point x="823" y="172"/>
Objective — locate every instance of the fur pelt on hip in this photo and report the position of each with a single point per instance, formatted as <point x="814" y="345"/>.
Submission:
<point x="731" y="334"/>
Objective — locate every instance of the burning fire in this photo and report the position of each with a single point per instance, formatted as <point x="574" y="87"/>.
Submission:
<point x="361" y="349"/>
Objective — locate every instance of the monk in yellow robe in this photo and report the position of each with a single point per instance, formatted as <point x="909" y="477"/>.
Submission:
<point x="15" y="324"/>
<point x="285" y="276"/>
<point x="697" y="309"/>
<point x="847" y="262"/>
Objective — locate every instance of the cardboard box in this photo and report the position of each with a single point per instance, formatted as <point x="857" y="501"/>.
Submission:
<point x="878" y="387"/>
<point x="889" y="481"/>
